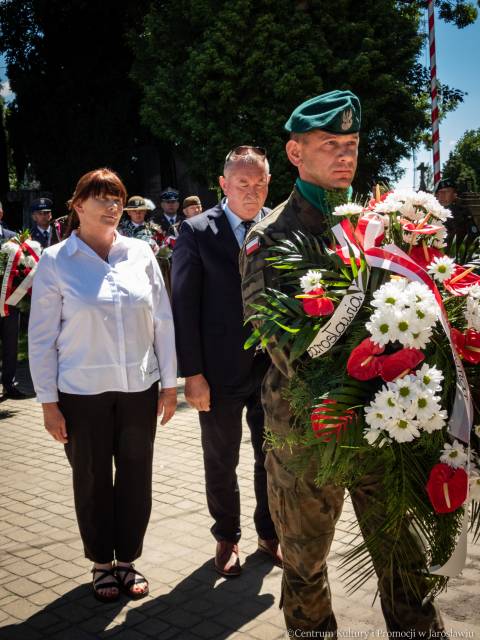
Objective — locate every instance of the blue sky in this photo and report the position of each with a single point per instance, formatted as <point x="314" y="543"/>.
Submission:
<point x="458" y="61"/>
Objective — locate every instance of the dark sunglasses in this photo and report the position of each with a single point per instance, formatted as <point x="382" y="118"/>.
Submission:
<point x="244" y="149"/>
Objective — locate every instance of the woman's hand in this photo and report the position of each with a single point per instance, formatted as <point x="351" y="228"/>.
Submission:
<point x="54" y="421"/>
<point x="167" y="403"/>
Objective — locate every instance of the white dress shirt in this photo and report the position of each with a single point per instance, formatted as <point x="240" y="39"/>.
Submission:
<point x="235" y="222"/>
<point x="99" y="326"/>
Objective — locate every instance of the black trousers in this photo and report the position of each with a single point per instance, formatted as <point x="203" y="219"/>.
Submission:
<point x="221" y="437"/>
<point x="9" y="337"/>
<point x="113" y="508"/>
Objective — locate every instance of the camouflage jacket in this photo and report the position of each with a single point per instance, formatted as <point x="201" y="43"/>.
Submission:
<point x="296" y="214"/>
<point x="146" y="231"/>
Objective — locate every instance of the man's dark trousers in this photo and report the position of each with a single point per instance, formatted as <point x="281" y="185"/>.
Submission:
<point x="9" y="326"/>
<point x="221" y="436"/>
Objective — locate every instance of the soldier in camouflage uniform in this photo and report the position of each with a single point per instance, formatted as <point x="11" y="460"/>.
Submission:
<point x="135" y="225"/>
<point x="323" y="146"/>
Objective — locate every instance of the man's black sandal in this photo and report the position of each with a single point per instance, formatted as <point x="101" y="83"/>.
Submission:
<point x="97" y="585"/>
<point x="126" y="585"/>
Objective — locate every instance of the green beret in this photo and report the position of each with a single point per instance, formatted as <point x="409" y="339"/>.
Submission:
<point x="335" y="111"/>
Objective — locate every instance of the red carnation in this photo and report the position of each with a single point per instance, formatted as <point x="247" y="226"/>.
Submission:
<point x="400" y="363"/>
<point x="447" y="487"/>
<point x="322" y="413"/>
<point x="467" y="344"/>
<point x="315" y="303"/>
<point x="363" y="363"/>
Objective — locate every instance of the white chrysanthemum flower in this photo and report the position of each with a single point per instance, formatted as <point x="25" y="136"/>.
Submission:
<point x="438" y="240"/>
<point x="472" y="291"/>
<point x="429" y="376"/>
<point x="10" y="248"/>
<point x="454" y="454"/>
<point x="474" y="486"/>
<point x="391" y="294"/>
<point x="472" y="309"/>
<point x="425" y="406"/>
<point x="476" y="429"/>
<point x="436" y="422"/>
<point x="372" y="437"/>
<point x="419" y="339"/>
<point x="311" y="281"/>
<point x="406" y="390"/>
<point x="402" y="429"/>
<point x="374" y="417"/>
<point x="29" y="262"/>
<point x="387" y="206"/>
<point x="441" y="268"/>
<point x="382" y="327"/>
<point x="349" y="209"/>
<point x="386" y="402"/>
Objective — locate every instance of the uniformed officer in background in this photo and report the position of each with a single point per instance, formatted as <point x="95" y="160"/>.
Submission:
<point x="461" y="224"/>
<point x="323" y="145"/>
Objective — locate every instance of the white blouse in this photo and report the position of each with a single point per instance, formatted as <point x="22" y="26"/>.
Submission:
<point x="99" y="326"/>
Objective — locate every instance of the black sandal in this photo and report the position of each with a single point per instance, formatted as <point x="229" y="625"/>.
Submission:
<point x="108" y="584"/>
<point x="126" y="586"/>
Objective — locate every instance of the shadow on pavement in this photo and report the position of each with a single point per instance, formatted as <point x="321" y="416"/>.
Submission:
<point x="217" y="606"/>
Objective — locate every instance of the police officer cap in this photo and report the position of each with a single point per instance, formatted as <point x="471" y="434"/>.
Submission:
<point x="446" y="183"/>
<point x="169" y="194"/>
<point x="41" y="204"/>
<point x="335" y="111"/>
<point x="136" y="203"/>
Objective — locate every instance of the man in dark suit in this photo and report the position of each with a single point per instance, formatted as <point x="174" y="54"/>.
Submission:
<point x="221" y="378"/>
<point x="42" y="230"/>
<point x="9" y="326"/>
<point x="170" y="219"/>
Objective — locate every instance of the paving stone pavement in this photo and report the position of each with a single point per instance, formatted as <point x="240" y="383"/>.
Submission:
<point x="44" y="578"/>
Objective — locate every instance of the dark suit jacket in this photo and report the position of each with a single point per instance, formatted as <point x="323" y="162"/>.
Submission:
<point x="207" y="304"/>
<point x="167" y="228"/>
<point x="6" y="234"/>
<point x="39" y="237"/>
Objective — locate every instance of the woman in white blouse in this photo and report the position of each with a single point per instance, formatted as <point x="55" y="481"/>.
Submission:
<point x="101" y="339"/>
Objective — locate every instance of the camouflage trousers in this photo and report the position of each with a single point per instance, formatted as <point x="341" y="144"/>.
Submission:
<point x="305" y="516"/>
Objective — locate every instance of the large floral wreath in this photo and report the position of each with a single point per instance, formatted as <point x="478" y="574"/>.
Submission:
<point x="397" y="325"/>
<point x="19" y="257"/>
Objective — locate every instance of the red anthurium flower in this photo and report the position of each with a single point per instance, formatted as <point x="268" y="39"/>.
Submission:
<point x="467" y="344"/>
<point x="425" y="230"/>
<point x="400" y="363"/>
<point x="171" y="241"/>
<point x="459" y="288"/>
<point x="372" y="202"/>
<point x="424" y="255"/>
<point x="362" y="226"/>
<point x="363" y="363"/>
<point x="314" y="303"/>
<point x="447" y="487"/>
<point x="322" y="413"/>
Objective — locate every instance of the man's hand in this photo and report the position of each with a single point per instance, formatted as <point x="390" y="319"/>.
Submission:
<point x="197" y="392"/>
<point x="54" y="421"/>
<point x="167" y="403"/>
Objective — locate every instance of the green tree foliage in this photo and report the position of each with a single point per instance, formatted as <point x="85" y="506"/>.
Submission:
<point x="463" y="164"/>
<point x="75" y="107"/>
<point x="218" y="74"/>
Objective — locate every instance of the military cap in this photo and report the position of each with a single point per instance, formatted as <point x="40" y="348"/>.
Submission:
<point x="41" y="204"/>
<point x="335" y="111"/>
<point x="446" y="183"/>
<point x="190" y="201"/>
<point x="136" y="203"/>
<point x="170" y="194"/>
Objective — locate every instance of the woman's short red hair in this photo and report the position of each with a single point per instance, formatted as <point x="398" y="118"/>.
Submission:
<point x="97" y="183"/>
